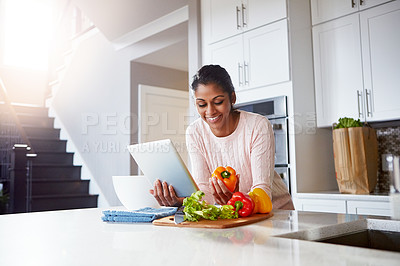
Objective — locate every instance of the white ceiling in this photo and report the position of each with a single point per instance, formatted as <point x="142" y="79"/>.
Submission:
<point x="174" y="56"/>
<point x="117" y="18"/>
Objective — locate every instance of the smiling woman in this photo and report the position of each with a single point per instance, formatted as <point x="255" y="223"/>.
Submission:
<point x="27" y="31"/>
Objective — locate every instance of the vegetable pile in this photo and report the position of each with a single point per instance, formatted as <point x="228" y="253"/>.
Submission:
<point x="240" y="205"/>
<point x="195" y="209"/>
<point x="346" y="122"/>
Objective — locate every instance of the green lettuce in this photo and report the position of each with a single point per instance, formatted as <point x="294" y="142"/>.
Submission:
<point x="347" y="122"/>
<point x="196" y="209"/>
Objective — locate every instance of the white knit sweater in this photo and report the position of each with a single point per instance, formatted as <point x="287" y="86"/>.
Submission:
<point x="250" y="150"/>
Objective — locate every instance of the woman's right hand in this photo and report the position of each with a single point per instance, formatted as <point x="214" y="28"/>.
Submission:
<point x="165" y="194"/>
<point x="220" y="192"/>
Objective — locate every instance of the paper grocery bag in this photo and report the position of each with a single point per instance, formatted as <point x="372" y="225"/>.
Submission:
<point x="356" y="159"/>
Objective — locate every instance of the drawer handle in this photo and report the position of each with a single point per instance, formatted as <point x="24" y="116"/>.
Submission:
<point x="237" y="18"/>
<point x="359" y="101"/>
<point x="243" y="16"/>
<point x="353" y="3"/>
<point x="246" y="73"/>
<point x="361" y="2"/>
<point x="240" y="74"/>
<point x="368" y="98"/>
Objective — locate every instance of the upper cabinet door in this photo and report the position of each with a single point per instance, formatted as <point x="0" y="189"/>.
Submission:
<point x="228" y="54"/>
<point x="266" y="55"/>
<point x="324" y="10"/>
<point x="221" y="19"/>
<point x="225" y="18"/>
<point x="338" y="70"/>
<point x="364" y="4"/>
<point x="257" y="13"/>
<point x="381" y="61"/>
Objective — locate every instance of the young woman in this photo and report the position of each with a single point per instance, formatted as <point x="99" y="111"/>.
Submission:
<point x="223" y="136"/>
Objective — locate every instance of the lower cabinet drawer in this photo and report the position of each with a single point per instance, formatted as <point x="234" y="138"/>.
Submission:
<point x="368" y="207"/>
<point x="320" y="205"/>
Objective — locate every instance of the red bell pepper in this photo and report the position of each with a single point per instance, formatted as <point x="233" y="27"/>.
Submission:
<point x="243" y="203"/>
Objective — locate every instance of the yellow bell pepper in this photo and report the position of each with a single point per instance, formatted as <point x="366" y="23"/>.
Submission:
<point x="262" y="202"/>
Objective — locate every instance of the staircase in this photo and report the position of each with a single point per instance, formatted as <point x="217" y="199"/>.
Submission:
<point x="56" y="182"/>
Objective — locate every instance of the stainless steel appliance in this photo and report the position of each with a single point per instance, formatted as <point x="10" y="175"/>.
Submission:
<point x="275" y="109"/>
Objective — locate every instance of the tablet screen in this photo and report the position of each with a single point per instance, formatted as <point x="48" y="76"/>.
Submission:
<point x="160" y="160"/>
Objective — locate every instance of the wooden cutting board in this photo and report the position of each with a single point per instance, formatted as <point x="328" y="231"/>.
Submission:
<point x="218" y="224"/>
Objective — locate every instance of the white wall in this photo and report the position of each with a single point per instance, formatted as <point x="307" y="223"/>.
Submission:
<point x="92" y="106"/>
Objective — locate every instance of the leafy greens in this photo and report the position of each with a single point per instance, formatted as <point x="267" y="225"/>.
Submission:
<point x="346" y="122"/>
<point x="196" y="209"/>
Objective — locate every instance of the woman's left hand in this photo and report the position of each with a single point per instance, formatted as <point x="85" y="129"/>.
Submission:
<point x="220" y="192"/>
<point x="165" y="194"/>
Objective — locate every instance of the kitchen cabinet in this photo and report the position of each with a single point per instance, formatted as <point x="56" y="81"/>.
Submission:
<point x="380" y="38"/>
<point x="226" y="18"/>
<point x="338" y="70"/>
<point x="256" y="58"/>
<point x="344" y="203"/>
<point x="356" y="68"/>
<point x="321" y="205"/>
<point x="324" y="10"/>
<point x="368" y="208"/>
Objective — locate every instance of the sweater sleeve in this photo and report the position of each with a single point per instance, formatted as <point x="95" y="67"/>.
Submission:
<point x="198" y="164"/>
<point x="262" y="156"/>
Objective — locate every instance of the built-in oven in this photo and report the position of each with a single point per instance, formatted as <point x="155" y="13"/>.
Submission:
<point x="275" y="109"/>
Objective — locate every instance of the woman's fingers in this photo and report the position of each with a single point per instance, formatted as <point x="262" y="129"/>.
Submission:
<point x="170" y="198"/>
<point x="174" y="197"/>
<point x="225" y="194"/>
<point x="219" y="191"/>
<point x="162" y="190"/>
<point x="156" y="192"/>
<point x="213" y="190"/>
<point x="165" y="194"/>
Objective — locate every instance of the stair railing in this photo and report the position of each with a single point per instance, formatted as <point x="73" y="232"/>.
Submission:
<point x="20" y="188"/>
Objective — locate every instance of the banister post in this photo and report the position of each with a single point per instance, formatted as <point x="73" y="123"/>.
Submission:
<point x="18" y="184"/>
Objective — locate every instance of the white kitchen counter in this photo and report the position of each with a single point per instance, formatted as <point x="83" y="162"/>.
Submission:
<point x="79" y="237"/>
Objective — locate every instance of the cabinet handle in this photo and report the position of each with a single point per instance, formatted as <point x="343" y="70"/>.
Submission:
<point x="353" y="3"/>
<point x="359" y="100"/>
<point x="243" y="16"/>
<point x="368" y="98"/>
<point x="240" y="74"/>
<point x="246" y="72"/>
<point x="361" y="2"/>
<point x="237" y="18"/>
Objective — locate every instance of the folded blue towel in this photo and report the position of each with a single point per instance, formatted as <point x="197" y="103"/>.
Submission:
<point x="144" y="215"/>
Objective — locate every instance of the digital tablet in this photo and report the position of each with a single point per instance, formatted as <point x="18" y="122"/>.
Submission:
<point x="160" y="160"/>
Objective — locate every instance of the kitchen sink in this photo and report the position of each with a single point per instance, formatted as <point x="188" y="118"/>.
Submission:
<point x="380" y="234"/>
<point x="375" y="239"/>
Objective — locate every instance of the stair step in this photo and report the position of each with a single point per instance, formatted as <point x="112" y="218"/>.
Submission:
<point x="43" y="133"/>
<point x="56" y="172"/>
<point x="31" y="110"/>
<point x="59" y="187"/>
<point x="36" y="121"/>
<point x="48" y="145"/>
<point x="64" y="158"/>
<point x="63" y="202"/>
